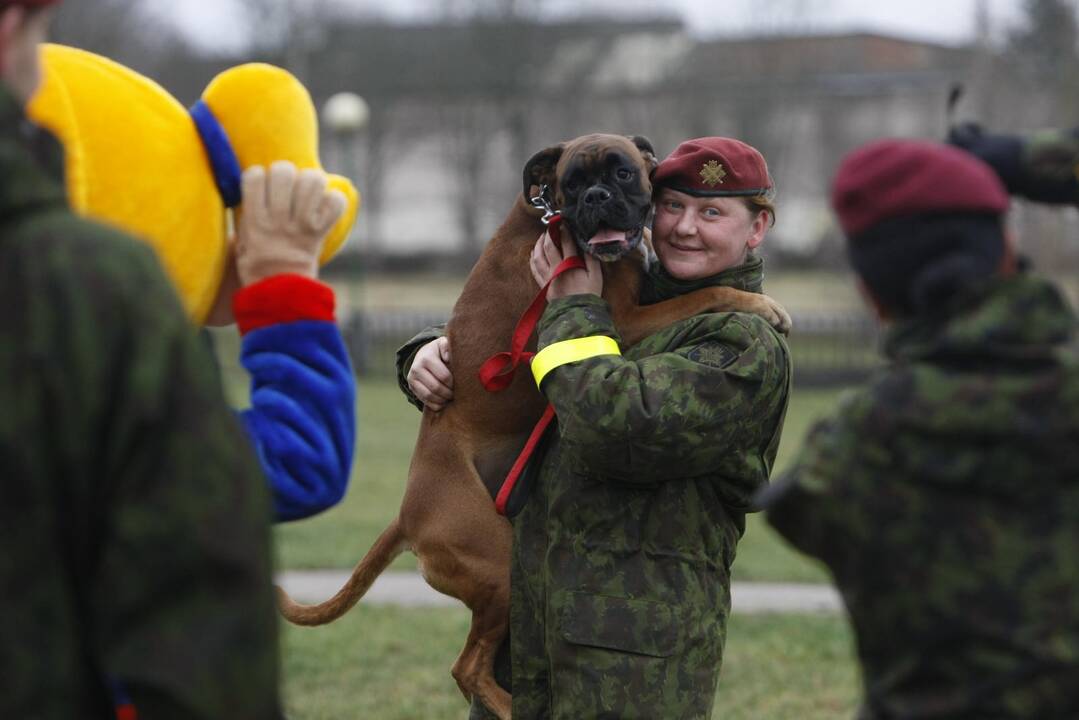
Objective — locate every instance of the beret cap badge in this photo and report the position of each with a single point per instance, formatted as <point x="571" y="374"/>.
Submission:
<point x="712" y="173"/>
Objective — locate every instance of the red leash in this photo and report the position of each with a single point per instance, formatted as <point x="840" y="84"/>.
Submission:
<point x="497" y="372"/>
<point x="519" y="464"/>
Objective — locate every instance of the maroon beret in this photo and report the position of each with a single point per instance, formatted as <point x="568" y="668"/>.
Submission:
<point x="714" y="167"/>
<point x="893" y="178"/>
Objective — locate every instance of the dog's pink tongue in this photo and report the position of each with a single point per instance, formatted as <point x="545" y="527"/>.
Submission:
<point x="607" y="235"/>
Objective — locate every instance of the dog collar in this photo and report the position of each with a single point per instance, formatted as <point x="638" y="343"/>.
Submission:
<point x="543" y="202"/>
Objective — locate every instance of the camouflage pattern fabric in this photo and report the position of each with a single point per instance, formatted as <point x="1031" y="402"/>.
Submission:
<point x="944" y="498"/>
<point x="136" y="520"/>
<point x="1050" y="166"/>
<point x="622" y="557"/>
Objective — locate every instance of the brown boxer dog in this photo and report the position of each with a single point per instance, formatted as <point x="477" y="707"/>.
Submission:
<point x="601" y="185"/>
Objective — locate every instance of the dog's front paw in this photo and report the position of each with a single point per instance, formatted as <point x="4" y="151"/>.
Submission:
<point x="776" y="315"/>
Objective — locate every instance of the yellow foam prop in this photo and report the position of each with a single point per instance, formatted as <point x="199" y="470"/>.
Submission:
<point x="134" y="157"/>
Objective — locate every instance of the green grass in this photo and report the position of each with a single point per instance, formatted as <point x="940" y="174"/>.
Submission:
<point x="796" y="289"/>
<point x="393" y="664"/>
<point x="762" y="554"/>
<point x="387" y="428"/>
<point x="788" y="666"/>
<point x="386" y="433"/>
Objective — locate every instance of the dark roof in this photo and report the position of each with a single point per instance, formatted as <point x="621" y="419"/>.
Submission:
<point x="783" y="57"/>
<point x="477" y="58"/>
<point x="485" y="60"/>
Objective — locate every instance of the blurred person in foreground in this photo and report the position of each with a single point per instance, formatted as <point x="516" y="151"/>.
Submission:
<point x="944" y="496"/>
<point x="137" y="558"/>
<point x="621" y="558"/>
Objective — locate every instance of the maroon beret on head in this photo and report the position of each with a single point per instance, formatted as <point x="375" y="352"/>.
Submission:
<point x="714" y="167"/>
<point x="893" y="178"/>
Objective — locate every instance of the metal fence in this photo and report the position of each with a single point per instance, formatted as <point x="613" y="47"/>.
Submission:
<point x="828" y="348"/>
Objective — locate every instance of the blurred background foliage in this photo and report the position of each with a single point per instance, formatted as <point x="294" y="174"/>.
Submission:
<point x="465" y="91"/>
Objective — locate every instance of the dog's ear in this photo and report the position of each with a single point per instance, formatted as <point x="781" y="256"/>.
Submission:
<point x="540" y="170"/>
<point x="647" y="152"/>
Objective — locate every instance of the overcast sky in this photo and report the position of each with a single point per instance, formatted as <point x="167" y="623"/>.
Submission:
<point x="218" y="24"/>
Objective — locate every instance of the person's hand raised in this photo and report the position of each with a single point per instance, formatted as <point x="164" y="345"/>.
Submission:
<point x="285" y="216"/>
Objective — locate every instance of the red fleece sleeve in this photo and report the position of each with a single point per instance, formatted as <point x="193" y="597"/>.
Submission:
<point x="282" y="299"/>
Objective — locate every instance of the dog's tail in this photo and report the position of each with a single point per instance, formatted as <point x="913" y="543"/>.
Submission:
<point x="389" y="545"/>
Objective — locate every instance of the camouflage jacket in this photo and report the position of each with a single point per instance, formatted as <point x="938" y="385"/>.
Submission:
<point x="622" y="555"/>
<point x="944" y="498"/>
<point x="136" y="563"/>
<point x="1049" y="166"/>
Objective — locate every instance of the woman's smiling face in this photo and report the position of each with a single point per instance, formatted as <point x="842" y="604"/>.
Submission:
<point x="697" y="237"/>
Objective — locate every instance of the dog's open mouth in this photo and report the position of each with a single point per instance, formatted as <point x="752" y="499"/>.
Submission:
<point x="610" y="244"/>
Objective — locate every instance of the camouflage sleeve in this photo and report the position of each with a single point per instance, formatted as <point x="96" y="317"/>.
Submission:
<point x="407" y="353"/>
<point x="708" y="402"/>
<point x="1042" y="167"/>
<point x="1050" y="163"/>
<point x="180" y="590"/>
<point x="806" y="503"/>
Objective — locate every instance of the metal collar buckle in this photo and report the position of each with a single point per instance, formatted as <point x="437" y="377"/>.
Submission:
<point x="543" y="202"/>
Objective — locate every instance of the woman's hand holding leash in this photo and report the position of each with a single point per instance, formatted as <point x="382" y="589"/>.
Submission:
<point x="545" y="258"/>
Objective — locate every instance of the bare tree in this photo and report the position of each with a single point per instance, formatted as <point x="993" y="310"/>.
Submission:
<point x="1043" y="52"/>
<point x="509" y="36"/>
<point x="288" y="30"/>
<point x="470" y="10"/>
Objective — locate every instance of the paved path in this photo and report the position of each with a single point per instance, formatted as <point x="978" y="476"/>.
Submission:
<point x="408" y="589"/>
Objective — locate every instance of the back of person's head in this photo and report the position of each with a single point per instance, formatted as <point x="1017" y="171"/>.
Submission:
<point x="923" y="222"/>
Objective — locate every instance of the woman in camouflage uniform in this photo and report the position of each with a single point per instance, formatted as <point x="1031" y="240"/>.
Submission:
<point x="622" y="556"/>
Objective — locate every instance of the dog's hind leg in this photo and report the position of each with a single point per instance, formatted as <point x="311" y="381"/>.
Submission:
<point x="474" y="668"/>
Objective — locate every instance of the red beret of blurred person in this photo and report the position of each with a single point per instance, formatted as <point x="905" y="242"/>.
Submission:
<point x="923" y="221"/>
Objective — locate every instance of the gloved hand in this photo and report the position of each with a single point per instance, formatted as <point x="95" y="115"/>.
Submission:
<point x="1042" y="167"/>
<point x="283" y="220"/>
<point x="1003" y="153"/>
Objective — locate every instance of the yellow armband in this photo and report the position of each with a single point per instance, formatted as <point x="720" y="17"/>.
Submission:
<point x="568" y="351"/>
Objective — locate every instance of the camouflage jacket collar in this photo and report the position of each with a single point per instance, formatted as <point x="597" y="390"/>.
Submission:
<point x="31" y="162"/>
<point x="1021" y="317"/>
<point x="748" y="276"/>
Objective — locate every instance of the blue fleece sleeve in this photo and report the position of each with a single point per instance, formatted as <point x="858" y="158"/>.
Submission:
<point x="302" y="415"/>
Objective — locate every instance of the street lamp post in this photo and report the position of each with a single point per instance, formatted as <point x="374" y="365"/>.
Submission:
<point x="345" y="114"/>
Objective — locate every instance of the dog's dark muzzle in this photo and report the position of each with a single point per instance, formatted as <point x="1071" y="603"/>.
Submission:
<point x="604" y="224"/>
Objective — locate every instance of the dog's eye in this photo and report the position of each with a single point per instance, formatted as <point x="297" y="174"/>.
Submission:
<point x="572" y="185"/>
<point x="624" y="174"/>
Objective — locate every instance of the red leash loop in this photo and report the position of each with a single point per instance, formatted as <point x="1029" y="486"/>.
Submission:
<point x="497" y="371"/>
